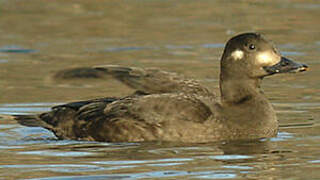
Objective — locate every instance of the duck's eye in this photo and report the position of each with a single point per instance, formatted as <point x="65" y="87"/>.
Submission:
<point x="252" y="47"/>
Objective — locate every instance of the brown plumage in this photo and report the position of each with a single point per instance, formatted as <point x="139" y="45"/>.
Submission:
<point x="172" y="108"/>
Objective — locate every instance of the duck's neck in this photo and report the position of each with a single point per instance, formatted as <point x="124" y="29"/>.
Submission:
<point x="245" y="108"/>
<point x="238" y="90"/>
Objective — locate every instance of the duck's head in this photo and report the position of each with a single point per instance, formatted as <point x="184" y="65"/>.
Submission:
<point x="250" y="55"/>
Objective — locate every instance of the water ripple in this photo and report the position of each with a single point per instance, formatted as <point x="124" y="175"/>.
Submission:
<point x="16" y="49"/>
<point x="25" y="108"/>
<point x="230" y="157"/>
<point x="55" y="153"/>
<point x="169" y="46"/>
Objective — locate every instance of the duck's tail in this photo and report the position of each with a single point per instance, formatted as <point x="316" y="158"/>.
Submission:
<point x="4" y="116"/>
<point x="30" y="121"/>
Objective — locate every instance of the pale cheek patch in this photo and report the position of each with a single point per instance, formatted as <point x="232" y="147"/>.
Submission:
<point x="267" y="58"/>
<point x="237" y="54"/>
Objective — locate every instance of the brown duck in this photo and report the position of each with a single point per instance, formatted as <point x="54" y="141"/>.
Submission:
<point x="172" y="108"/>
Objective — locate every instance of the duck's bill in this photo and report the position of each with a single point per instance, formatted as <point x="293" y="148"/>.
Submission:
<point x="286" y="66"/>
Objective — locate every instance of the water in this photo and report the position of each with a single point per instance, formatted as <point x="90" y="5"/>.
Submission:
<point x="40" y="38"/>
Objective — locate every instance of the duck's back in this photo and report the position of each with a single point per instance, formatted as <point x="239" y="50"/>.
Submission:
<point x="164" y="117"/>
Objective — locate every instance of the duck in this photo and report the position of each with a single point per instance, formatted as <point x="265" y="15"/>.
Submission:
<point x="170" y="107"/>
